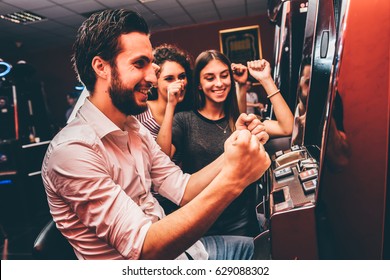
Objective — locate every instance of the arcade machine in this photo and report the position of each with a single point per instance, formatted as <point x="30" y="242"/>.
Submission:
<point x="290" y="203"/>
<point x="289" y="17"/>
<point x="328" y="194"/>
<point x="24" y="137"/>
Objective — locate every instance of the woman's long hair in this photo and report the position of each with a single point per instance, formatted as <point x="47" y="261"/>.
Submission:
<point x="230" y="106"/>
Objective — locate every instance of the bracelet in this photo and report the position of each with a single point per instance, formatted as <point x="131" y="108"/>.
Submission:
<point x="272" y="94"/>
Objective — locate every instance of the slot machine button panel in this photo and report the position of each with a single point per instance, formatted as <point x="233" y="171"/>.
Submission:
<point x="284" y="172"/>
<point x="308" y="175"/>
<point x="309" y="186"/>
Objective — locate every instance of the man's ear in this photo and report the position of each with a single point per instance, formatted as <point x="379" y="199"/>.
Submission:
<point x="101" y="67"/>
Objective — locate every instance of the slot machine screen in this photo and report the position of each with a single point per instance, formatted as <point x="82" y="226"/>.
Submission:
<point x="314" y="75"/>
<point x="295" y="172"/>
<point x="289" y="18"/>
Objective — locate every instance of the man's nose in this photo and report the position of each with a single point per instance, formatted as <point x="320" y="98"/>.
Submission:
<point x="151" y="74"/>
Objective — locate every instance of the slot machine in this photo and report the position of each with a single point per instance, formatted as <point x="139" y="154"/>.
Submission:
<point x="289" y="18"/>
<point x="290" y="203"/>
<point x="353" y="193"/>
<point x="328" y="194"/>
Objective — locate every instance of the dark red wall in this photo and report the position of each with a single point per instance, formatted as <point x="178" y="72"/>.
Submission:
<point x="55" y="69"/>
<point x="198" y="38"/>
<point x="195" y="39"/>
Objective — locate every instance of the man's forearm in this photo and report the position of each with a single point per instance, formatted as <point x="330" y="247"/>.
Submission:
<point x="199" y="180"/>
<point x="244" y="161"/>
<point x="172" y="235"/>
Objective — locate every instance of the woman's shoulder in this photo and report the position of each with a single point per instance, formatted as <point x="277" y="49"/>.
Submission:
<point x="184" y="119"/>
<point x="185" y="115"/>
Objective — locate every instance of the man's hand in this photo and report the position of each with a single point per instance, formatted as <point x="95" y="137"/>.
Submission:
<point x="254" y="125"/>
<point x="245" y="157"/>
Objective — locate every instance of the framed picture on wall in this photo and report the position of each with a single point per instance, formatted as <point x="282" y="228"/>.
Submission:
<point x="241" y="44"/>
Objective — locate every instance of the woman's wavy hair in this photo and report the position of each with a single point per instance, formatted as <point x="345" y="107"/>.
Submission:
<point x="169" y="52"/>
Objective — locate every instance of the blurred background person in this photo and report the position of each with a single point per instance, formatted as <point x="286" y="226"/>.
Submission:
<point x="253" y="106"/>
<point x="71" y="98"/>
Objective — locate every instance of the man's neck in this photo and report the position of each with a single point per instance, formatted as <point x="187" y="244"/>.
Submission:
<point x="105" y="105"/>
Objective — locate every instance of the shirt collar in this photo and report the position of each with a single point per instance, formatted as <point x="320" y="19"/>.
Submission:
<point x="94" y="117"/>
<point x="102" y="124"/>
<point x="132" y="124"/>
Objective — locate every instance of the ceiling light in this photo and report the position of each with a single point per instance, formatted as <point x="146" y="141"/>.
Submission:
<point x="23" y="17"/>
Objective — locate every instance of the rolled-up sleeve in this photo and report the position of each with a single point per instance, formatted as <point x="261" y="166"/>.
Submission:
<point x="167" y="178"/>
<point x="98" y="207"/>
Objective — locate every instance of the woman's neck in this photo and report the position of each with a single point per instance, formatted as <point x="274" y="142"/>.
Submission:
<point x="212" y="111"/>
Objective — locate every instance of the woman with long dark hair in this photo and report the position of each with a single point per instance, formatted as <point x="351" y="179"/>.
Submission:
<point x="199" y="134"/>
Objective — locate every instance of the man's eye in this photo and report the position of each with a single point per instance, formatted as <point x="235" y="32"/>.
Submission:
<point x="140" y="63"/>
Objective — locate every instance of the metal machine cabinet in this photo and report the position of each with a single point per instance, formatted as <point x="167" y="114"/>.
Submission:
<point x="289" y="17"/>
<point x="344" y="213"/>
<point x="292" y="202"/>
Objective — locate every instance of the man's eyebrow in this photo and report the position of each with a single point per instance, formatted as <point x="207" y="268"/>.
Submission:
<point x="143" y="57"/>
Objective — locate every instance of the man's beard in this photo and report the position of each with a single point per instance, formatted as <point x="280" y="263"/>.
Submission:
<point x="123" y="98"/>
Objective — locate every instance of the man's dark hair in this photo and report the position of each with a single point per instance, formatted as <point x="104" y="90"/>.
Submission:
<point x="98" y="36"/>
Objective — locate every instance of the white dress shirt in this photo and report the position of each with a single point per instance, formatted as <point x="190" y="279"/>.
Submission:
<point x="98" y="180"/>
